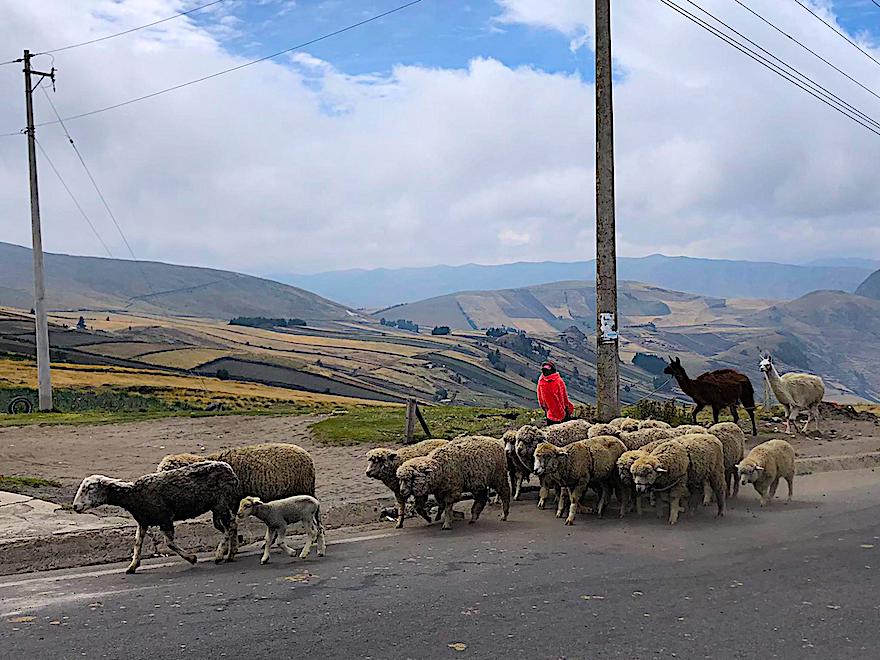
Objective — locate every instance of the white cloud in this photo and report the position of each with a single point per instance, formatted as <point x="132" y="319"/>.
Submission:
<point x="297" y="166"/>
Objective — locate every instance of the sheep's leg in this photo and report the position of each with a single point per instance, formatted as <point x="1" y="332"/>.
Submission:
<point x="519" y="482"/>
<point x="543" y="494"/>
<point x="773" y="487"/>
<point x="674" y="501"/>
<point x="322" y="545"/>
<point x="401" y="510"/>
<point x="232" y="537"/>
<point x="716" y="483"/>
<point x="790" y="481"/>
<point x="169" y="539"/>
<point x="447" y="505"/>
<point x="560" y="503"/>
<point x="638" y="505"/>
<point x="761" y="487"/>
<point x="271" y="534"/>
<point x="707" y="494"/>
<point x="421" y="506"/>
<point x="574" y="495"/>
<point x="480" y="500"/>
<point x="138" y="547"/>
<point x="625" y="502"/>
<point x="735" y="476"/>
<point x="311" y="537"/>
<point x="604" y="498"/>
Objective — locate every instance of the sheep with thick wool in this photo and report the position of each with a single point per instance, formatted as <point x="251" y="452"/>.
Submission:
<point x="578" y="466"/>
<point x="686" y="429"/>
<point x="529" y="437"/>
<point x="270" y="471"/>
<point x="733" y="441"/>
<point x="765" y="465"/>
<point x="161" y="498"/>
<point x="642" y="437"/>
<point x="383" y="467"/>
<point x="475" y="464"/>
<point x="604" y="429"/>
<point x="624" y="475"/>
<point x="517" y="471"/>
<point x="625" y="424"/>
<point x="681" y="467"/>
<point x="653" y="424"/>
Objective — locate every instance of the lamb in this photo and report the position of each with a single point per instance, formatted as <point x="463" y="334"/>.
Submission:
<point x="279" y="514"/>
<point x="733" y="441"/>
<point x="636" y="439"/>
<point x="383" y="466"/>
<point x="270" y="471"/>
<point x="625" y="424"/>
<point x="724" y="388"/>
<point x="796" y="392"/>
<point x="578" y="466"/>
<point x="529" y="437"/>
<point x="681" y="466"/>
<point x="765" y="465"/>
<point x="473" y="464"/>
<point x="517" y="472"/>
<point x="161" y="498"/>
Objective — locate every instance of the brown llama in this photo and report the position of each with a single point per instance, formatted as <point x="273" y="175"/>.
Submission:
<point x="724" y="388"/>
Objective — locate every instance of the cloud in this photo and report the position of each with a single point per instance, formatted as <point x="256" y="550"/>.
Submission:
<point x="298" y="166"/>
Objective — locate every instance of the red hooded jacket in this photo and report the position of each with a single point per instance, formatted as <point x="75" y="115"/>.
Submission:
<point x="553" y="397"/>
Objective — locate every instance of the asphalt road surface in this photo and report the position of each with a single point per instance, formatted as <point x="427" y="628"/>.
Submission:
<point x="796" y="581"/>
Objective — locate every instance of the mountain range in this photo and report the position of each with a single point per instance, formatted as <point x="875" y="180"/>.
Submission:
<point x="383" y="287"/>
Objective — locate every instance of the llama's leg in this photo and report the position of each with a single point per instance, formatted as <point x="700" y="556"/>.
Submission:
<point x="734" y="413"/>
<point x="715" y="412"/>
<point x="751" y="412"/>
<point x="139" y="545"/>
<point x="168" y="531"/>
<point x="697" y="410"/>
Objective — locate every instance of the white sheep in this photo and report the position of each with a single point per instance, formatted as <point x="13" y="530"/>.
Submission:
<point x="277" y="515"/>
<point x="765" y="465"/>
<point x="795" y="392"/>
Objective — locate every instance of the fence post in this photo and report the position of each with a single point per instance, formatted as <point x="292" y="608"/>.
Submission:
<point x="409" y="432"/>
<point x="422" y="421"/>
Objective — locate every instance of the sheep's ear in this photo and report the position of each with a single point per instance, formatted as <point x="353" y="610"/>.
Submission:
<point x="661" y="470"/>
<point x="759" y="468"/>
<point x="392" y="456"/>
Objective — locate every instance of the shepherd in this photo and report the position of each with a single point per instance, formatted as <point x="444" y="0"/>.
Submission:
<point x="552" y="395"/>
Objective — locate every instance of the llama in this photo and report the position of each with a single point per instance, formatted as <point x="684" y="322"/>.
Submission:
<point x="796" y="392"/>
<point x="724" y="388"/>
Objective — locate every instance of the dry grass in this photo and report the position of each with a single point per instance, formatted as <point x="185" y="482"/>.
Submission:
<point x="185" y="358"/>
<point x="24" y="374"/>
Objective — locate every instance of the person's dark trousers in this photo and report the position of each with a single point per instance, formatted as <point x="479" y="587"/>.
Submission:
<point x="550" y="422"/>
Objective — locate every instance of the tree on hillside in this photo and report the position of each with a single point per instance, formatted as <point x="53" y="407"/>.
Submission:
<point x="440" y="330"/>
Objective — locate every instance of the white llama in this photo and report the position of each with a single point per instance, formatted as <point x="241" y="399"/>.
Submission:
<point x="796" y="392"/>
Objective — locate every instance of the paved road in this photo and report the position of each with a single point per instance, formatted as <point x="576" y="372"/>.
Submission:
<point x="798" y="581"/>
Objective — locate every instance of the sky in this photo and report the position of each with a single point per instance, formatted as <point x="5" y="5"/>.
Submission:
<point x="449" y="132"/>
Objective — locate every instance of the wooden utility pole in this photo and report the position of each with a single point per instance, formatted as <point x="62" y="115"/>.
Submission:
<point x="44" y="379"/>
<point x="607" y="371"/>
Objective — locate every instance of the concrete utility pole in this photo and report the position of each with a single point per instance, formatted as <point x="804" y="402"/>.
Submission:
<point x="607" y="372"/>
<point x="42" y="321"/>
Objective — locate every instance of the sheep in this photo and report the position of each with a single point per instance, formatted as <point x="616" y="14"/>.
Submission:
<point x="473" y="464"/>
<point x="681" y="466"/>
<point x="529" y="437"/>
<point x="628" y="486"/>
<point x="734" y="443"/>
<point x="686" y="429"/>
<point x="625" y="424"/>
<point x="604" y="429"/>
<point x="724" y="388"/>
<point x="796" y="392"/>
<point x="579" y="466"/>
<point x="270" y="471"/>
<point x="765" y="465"/>
<point x="653" y="424"/>
<point x="279" y="514"/>
<point x="517" y="471"/>
<point x="636" y="439"/>
<point x="383" y="467"/>
<point x="161" y="498"/>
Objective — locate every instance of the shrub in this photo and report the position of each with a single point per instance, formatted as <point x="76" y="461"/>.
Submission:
<point x="440" y="330"/>
<point x="650" y="363"/>
<point x="223" y="374"/>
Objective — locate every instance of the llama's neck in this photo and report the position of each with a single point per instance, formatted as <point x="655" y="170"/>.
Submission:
<point x="685" y="383"/>
<point x="775" y="382"/>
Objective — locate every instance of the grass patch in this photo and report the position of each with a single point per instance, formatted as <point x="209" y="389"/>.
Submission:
<point x="17" y="484"/>
<point x="382" y="424"/>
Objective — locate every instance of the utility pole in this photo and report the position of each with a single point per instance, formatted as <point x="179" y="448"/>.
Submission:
<point x="607" y="371"/>
<point x="44" y="379"/>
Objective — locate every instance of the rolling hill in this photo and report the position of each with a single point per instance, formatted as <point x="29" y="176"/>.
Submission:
<point x="91" y="283"/>
<point x="709" y="277"/>
<point x="870" y="288"/>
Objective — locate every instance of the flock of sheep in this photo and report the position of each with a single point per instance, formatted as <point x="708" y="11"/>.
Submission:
<point x="632" y="460"/>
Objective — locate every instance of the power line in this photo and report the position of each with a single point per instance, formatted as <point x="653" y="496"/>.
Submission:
<point x="876" y="3"/>
<point x="807" y="48"/>
<point x="130" y="30"/>
<point x="241" y="66"/>
<point x="73" y="198"/>
<point x="763" y="62"/>
<point x="839" y="33"/>
<point x="97" y="189"/>
<point x="824" y="91"/>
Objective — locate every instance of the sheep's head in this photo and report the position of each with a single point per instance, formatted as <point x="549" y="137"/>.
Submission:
<point x="625" y="463"/>
<point x="597" y="430"/>
<point x="93" y="491"/>
<point x="749" y="473"/>
<point x="527" y="439"/>
<point x="383" y="463"/>
<point x="174" y="461"/>
<point x="625" y="424"/>
<point x="547" y="459"/>
<point x="509" y="440"/>
<point x="416" y="477"/>
<point x="246" y="507"/>
<point x="645" y="471"/>
<point x="766" y="364"/>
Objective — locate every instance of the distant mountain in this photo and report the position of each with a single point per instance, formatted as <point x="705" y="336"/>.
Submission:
<point x="80" y="283"/>
<point x="870" y="288"/>
<point x="847" y="262"/>
<point x="710" y="277"/>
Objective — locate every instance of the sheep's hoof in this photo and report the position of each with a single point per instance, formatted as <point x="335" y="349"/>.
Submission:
<point x="399" y="524"/>
<point x="446" y="527"/>
<point x="130" y="570"/>
<point x="540" y="504"/>
<point x="320" y="554"/>
<point x="569" y="521"/>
